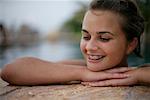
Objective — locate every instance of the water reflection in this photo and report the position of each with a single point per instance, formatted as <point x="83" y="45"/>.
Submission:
<point x="53" y="52"/>
<point x="46" y="51"/>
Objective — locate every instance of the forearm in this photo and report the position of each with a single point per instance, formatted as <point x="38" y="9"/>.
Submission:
<point x="80" y="62"/>
<point x="31" y="71"/>
<point x="144" y="75"/>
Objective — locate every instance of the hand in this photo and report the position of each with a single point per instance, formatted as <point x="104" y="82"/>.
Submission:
<point x="130" y="80"/>
<point x="90" y="76"/>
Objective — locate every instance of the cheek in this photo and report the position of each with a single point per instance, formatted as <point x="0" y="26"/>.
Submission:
<point x="82" y="46"/>
<point x="116" y="49"/>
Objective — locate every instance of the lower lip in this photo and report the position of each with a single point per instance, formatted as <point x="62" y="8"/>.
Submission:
<point x="95" y="61"/>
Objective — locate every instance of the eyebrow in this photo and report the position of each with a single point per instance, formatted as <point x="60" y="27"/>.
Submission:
<point x="84" y="31"/>
<point x="104" y="32"/>
<point x="101" y="32"/>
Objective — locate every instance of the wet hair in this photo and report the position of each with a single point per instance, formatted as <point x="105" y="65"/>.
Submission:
<point x="132" y="22"/>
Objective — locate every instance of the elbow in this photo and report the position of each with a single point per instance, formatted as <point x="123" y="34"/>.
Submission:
<point x="11" y="72"/>
<point x="16" y="72"/>
<point x="8" y="73"/>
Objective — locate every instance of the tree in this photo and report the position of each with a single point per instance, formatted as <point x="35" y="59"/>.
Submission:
<point x="73" y="25"/>
<point x="145" y="7"/>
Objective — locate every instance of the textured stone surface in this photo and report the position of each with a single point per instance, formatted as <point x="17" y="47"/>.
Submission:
<point x="72" y="92"/>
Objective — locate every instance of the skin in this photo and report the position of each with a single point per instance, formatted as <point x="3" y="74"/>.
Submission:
<point x="33" y="71"/>
<point x="109" y="44"/>
<point x="137" y="76"/>
<point x="102" y="36"/>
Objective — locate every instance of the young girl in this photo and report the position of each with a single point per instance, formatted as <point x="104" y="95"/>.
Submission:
<point x="111" y="30"/>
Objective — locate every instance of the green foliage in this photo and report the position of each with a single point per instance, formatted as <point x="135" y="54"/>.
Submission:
<point x="74" y="24"/>
<point x="145" y="8"/>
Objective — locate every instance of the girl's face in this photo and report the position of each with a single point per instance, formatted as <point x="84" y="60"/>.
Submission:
<point x="103" y="43"/>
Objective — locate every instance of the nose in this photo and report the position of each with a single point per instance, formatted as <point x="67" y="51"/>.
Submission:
<point x="92" y="45"/>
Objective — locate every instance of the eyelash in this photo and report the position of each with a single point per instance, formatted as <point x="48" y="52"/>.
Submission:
<point x="100" y="38"/>
<point x="86" y="38"/>
<point x="105" y="39"/>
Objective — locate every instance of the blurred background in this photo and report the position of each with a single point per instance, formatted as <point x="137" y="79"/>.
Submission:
<point x="50" y="30"/>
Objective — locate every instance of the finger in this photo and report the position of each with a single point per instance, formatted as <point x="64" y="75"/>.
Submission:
<point x="85" y="83"/>
<point x="113" y="76"/>
<point x="120" y="70"/>
<point x="113" y="82"/>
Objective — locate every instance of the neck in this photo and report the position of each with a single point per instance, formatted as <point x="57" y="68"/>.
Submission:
<point x="123" y="63"/>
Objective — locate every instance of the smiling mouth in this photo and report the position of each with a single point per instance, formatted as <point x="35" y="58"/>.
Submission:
<point x="95" y="57"/>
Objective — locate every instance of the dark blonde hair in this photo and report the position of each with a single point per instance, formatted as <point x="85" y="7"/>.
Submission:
<point x="132" y="24"/>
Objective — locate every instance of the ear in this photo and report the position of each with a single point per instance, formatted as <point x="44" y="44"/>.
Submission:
<point x="132" y="45"/>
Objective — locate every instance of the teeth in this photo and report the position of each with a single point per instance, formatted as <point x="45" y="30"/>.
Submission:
<point x="95" y="57"/>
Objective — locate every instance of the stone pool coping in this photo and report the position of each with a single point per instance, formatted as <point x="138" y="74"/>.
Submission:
<point x="72" y="92"/>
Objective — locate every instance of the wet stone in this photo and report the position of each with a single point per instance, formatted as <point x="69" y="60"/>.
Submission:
<point x="72" y="92"/>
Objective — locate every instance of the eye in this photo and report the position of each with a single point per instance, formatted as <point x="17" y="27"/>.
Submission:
<point x="86" y="37"/>
<point x="104" y="39"/>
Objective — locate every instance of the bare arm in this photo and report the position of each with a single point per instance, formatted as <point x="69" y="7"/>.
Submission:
<point x="143" y="74"/>
<point x="80" y="62"/>
<point x="137" y="76"/>
<point x="33" y="71"/>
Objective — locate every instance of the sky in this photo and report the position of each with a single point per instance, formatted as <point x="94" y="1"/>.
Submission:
<point x="46" y="15"/>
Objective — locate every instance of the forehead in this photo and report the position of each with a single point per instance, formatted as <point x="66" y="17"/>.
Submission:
<point x="101" y="21"/>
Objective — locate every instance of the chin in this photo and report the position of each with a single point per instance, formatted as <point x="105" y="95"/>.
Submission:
<point x="95" y="68"/>
<point x="98" y="67"/>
